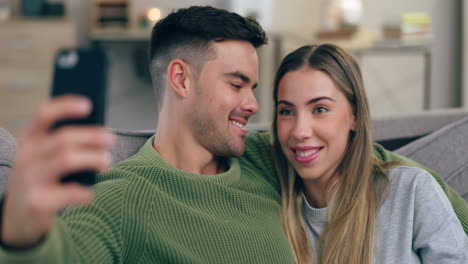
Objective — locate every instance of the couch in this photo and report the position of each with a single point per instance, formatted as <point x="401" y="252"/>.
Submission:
<point x="436" y="139"/>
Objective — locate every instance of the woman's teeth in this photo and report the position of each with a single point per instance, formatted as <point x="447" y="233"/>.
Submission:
<point x="306" y="153"/>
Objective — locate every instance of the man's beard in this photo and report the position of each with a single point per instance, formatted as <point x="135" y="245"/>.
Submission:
<point x="216" y="140"/>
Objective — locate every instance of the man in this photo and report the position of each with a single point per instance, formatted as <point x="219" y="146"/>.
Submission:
<point x="182" y="198"/>
<point x="188" y="196"/>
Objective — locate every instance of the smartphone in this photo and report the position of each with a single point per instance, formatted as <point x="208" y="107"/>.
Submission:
<point x="81" y="72"/>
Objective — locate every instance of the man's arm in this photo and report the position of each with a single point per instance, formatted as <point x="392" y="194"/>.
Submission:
<point x="35" y="193"/>
<point x="85" y="234"/>
<point x="458" y="203"/>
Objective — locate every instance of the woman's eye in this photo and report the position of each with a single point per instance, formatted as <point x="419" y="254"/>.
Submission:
<point x="285" y="112"/>
<point x="320" y="110"/>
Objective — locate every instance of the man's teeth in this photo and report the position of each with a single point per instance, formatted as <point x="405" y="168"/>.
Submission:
<point x="306" y="153"/>
<point x="238" y="124"/>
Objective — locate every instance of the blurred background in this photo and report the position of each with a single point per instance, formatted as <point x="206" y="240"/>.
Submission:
<point x="413" y="54"/>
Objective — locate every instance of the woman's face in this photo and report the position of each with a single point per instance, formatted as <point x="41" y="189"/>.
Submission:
<point x="314" y="120"/>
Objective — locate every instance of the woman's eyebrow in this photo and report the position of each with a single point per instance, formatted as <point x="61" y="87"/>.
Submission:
<point x="285" y="102"/>
<point x="311" y="101"/>
<point x="314" y="100"/>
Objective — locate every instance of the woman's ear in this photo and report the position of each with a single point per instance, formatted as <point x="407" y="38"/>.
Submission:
<point x="178" y="74"/>
<point x="354" y="124"/>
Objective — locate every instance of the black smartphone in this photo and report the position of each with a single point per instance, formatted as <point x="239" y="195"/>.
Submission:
<point x="82" y="72"/>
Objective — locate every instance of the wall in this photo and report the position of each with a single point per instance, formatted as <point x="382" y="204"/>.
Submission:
<point x="130" y="100"/>
<point x="300" y="20"/>
<point x="376" y="12"/>
<point x="297" y="22"/>
<point x="261" y="10"/>
<point x="465" y="56"/>
<point x="446" y="54"/>
<point x="78" y="11"/>
<point x="445" y="50"/>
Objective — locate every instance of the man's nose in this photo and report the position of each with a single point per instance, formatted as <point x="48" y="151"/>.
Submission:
<point x="250" y="104"/>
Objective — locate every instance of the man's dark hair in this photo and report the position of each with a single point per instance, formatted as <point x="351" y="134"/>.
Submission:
<point x="188" y="34"/>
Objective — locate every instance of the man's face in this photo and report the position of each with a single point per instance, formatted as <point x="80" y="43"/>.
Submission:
<point x="224" y="99"/>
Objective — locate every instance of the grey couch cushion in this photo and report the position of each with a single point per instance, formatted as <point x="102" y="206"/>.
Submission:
<point x="434" y="150"/>
<point x="128" y="143"/>
<point x="414" y="125"/>
<point x="7" y="153"/>
<point x="446" y="152"/>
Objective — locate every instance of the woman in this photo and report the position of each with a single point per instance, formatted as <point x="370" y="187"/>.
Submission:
<point x="340" y="204"/>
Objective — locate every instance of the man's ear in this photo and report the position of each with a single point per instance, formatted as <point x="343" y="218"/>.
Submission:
<point x="179" y="74"/>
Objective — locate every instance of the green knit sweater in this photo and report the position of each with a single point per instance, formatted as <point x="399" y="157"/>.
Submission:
<point x="146" y="211"/>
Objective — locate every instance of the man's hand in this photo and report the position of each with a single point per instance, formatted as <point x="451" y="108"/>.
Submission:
<point x="43" y="156"/>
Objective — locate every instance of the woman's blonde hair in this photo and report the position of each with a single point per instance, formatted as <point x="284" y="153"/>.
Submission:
<point x="354" y="198"/>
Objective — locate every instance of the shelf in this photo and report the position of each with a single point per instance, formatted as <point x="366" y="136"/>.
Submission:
<point x="111" y="1"/>
<point x="109" y="14"/>
<point x="120" y="35"/>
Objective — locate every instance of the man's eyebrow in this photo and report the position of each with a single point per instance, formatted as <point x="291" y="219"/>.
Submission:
<point x="241" y="76"/>
<point x="311" y="101"/>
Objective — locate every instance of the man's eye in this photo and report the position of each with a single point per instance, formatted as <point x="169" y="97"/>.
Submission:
<point x="285" y="112"/>
<point x="320" y="110"/>
<point x="237" y="86"/>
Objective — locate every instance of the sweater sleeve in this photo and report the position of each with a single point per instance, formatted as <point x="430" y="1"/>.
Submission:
<point x="438" y="236"/>
<point x="86" y="234"/>
<point x="259" y="152"/>
<point x="458" y="203"/>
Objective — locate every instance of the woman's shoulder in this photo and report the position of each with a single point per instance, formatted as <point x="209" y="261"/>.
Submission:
<point x="415" y="184"/>
<point x="418" y="211"/>
<point x="409" y="175"/>
<point x="411" y="183"/>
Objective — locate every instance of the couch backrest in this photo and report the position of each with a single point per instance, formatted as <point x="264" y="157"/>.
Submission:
<point x="7" y="154"/>
<point x="128" y="143"/>
<point x="446" y="152"/>
<point x="403" y="129"/>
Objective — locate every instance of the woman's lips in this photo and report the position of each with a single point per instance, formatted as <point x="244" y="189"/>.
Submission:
<point x="306" y="154"/>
